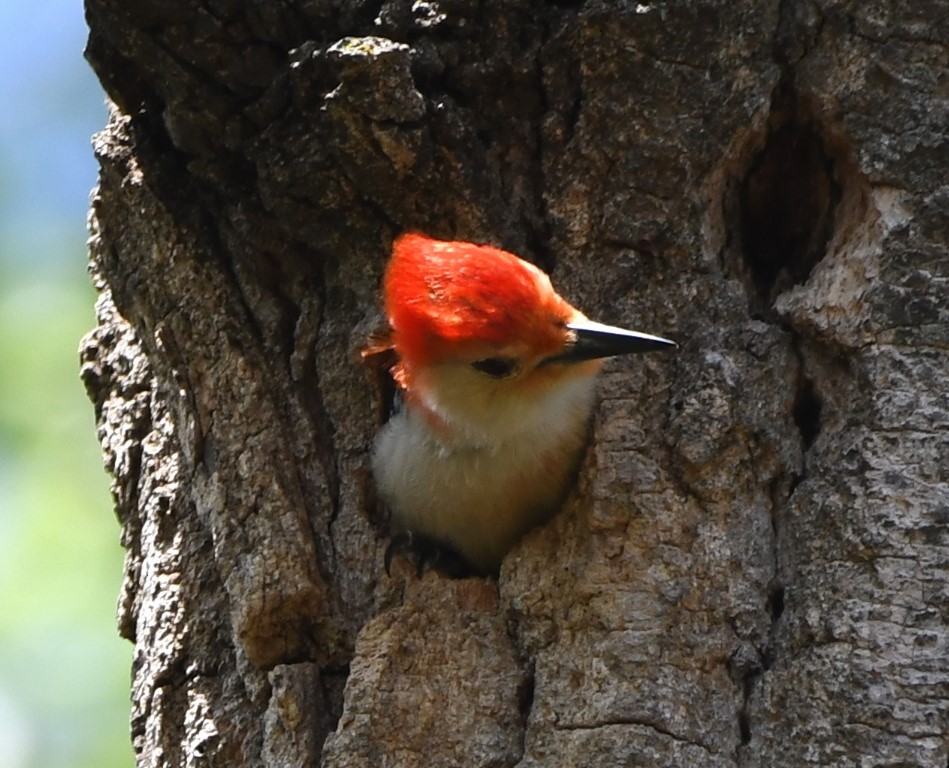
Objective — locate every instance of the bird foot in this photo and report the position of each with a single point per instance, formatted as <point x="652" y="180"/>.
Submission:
<point x="427" y="554"/>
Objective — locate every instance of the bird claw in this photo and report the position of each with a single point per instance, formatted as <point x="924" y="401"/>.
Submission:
<point x="427" y="554"/>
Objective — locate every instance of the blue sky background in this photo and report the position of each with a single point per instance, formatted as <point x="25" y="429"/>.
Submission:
<point x="64" y="672"/>
<point x="50" y="104"/>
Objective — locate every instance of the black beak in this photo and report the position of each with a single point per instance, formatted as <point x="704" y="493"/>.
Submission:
<point x="592" y="341"/>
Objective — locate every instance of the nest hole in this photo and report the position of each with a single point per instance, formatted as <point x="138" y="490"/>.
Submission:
<point x="787" y="203"/>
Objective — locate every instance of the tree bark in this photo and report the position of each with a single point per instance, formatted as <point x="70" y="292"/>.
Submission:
<point x="753" y="569"/>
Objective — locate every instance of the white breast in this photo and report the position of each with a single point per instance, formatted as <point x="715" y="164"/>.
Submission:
<point x="481" y="490"/>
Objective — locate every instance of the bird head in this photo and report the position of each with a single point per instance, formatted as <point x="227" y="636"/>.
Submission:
<point x="484" y="341"/>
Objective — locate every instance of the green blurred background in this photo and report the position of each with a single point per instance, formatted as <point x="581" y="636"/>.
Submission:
<point x="64" y="672"/>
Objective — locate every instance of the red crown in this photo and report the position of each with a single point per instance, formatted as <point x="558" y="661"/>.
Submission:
<point x="449" y="299"/>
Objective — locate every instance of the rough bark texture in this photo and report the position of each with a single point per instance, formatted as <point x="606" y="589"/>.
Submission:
<point x="754" y="567"/>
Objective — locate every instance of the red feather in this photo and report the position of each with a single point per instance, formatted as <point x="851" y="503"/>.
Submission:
<point x="447" y="299"/>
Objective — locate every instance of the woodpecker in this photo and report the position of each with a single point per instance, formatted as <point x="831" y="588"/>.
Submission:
<point x="497" y="376"/>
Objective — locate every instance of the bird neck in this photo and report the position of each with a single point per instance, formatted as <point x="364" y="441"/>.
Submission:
<point x="473" y="423"/>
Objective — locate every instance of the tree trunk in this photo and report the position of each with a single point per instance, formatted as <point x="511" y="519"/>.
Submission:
<point x="753" y="569"/>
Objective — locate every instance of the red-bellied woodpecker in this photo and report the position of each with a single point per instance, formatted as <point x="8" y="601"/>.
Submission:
<point x="497" y="374"/>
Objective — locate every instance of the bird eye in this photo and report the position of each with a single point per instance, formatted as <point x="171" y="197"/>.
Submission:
<point x="496" y="367"/>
